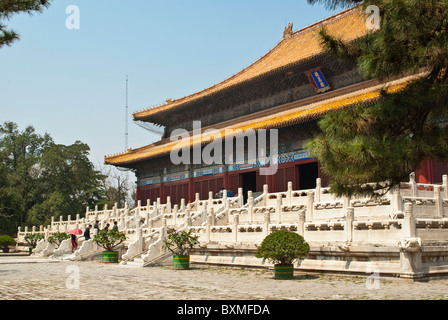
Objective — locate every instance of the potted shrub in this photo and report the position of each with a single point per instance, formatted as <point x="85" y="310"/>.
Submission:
<point x="282" y="248"/>
<point x="5" y="242"/>
<point x="33" y="239"/>
<point x="109" y="240"/>
<point x="57" y="238"/>
<point x="180" y="243"/>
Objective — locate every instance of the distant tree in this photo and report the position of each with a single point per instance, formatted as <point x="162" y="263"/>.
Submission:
<point x="68" y="181"/>
<point x="118" y="187"/>
<point x="10" y="7"/>
<point x="383" y="141"/>
<point x="20" y="153"/>
<point x="40" y="179"/>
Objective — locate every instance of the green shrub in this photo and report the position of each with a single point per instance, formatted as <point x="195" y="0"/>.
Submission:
<point x="283" y="247"/>
<point x="6" y="241"/>
<point x="33" y="239"/>
<point x="58" y="237"/>
<point x="180" y="243"/>
<point x="109" y="239"/>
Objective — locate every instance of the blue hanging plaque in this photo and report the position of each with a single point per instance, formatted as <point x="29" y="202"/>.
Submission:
<point x="318" y="81"/>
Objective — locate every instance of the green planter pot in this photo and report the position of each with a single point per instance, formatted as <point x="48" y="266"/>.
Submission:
<point x="284" y="271"/>
<point x="110" y="256"/>
<point x="181" y="262"/>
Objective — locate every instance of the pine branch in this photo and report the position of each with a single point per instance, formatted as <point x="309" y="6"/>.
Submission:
<point x="334" y="4"/>
<point x="10" y="7"/>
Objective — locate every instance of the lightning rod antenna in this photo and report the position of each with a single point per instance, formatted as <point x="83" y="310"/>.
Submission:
<point x="126" y="133"/>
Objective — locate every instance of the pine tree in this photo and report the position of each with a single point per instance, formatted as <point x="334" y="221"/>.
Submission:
<point x="383" y="141"/>
<point x="10" y="7"/>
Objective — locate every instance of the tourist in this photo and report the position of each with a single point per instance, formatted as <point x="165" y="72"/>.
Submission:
<point x="74" y="243"/>
<point x="107" y="227"/>
<point x="97" y="225"/>
<point x="115" y="227"/>
<point x="87" y="233"/>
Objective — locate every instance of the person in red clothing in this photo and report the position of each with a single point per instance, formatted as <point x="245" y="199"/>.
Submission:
<point x="74" y="243"/>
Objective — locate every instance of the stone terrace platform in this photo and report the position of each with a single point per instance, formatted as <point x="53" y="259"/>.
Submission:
<point x="50" y="280"/>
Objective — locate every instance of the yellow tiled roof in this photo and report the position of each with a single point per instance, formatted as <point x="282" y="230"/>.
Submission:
<point x="302" y="45"/>
<point x="292" y="113"/>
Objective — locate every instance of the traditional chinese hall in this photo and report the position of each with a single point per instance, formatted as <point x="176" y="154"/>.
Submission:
<point x="288" y="89"/>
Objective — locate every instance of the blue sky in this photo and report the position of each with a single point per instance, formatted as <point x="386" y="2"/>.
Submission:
<point x="72" y="83"/>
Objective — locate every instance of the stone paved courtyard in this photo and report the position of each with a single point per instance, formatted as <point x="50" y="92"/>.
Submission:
<point x="25" y="278"/>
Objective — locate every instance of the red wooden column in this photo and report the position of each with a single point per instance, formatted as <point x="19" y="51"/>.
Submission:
<point x="270" y="182"/>
<point x="424" y="173"/>
<point x="191" y="191"/>
<point x="162" y="193"/>
<point x="226" y="182"/>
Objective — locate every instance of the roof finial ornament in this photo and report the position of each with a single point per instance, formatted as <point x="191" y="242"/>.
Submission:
<point x="287" y="33"/>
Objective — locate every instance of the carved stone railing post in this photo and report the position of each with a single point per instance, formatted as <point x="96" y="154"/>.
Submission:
<point x="182" y="205"/>
<point x="409" y="221"/>
<point x="265" y="195"/>
<point x="250" y="207"/>
<point x="267" y="221"/>
<point x="148" y="204"/>
<point x="137" y="212"/>
<point x="175" y="211"/>
<point x="309" y="207"/>
<point x="188" y="216"/>
<point x="301" y="226"/>
<point x="168" y="204"/>
<point x="439" y="202"/>
<point x="60" y="227"/>
<point x="289" y="193"/>
<point x="345" y="203"/>
<point x="150" y="225"/>
<point x="140" y="240"/>
<point x="96" y="213"/>
<point x="445" y="186"/>
<point x="163" y="230"/>
<point x="236" y="221"/>
<point x="318" y="189"/>
<point x="197" y="198"/>
<point x="396" y="201"/>
<point x="278" y="208"/>
<point x="240" y="197"/>
<point x="204" y="211"/>
<point x="211" y="215"/>
<point x="155" y="210"/>
<point x="210" y="198"/>
<point x="115" y="212"/>
<point x="413" y="184"/>
<point x="208" y="226"/>
<point x="349" y="218"/>
<point x="78" y="222"/>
